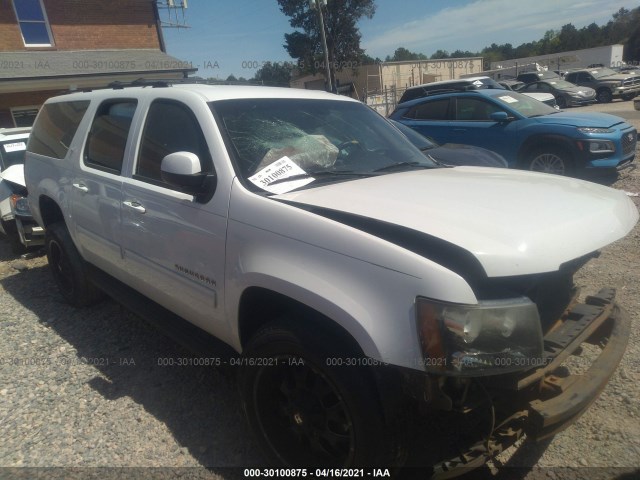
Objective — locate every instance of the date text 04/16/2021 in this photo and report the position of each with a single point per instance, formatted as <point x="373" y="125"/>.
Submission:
<point x="317" y="472"/>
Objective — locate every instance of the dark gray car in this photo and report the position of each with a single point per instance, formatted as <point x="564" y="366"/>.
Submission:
<point x="453" y="154"/>
<point x="567" y="94"/>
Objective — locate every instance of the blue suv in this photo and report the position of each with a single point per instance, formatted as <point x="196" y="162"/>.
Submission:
<point x="527" y="133"/>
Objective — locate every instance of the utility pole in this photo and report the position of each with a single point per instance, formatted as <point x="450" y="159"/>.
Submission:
<point x="317" y="4"/>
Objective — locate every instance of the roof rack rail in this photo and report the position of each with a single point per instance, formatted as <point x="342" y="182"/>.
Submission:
<point x="140" y="82"/>
<point x="462" y="88"/>
<point x="118" y="85"/>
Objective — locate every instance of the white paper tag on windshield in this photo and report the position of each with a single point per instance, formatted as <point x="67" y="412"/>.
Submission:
<point x="14" y="147"/>
<point x="279" y="171"/>
<point x="508" y="99"/>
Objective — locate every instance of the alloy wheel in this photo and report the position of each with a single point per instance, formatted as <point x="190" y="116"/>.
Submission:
<point x="548" y="163"/>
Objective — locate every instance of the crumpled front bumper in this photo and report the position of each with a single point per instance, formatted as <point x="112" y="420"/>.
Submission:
<point x="546" y="400"/>
<point x="599" y="321"/>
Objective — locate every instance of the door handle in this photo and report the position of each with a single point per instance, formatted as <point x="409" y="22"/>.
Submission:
<point x="133" y="205"/>
<point x="81" y="186"/>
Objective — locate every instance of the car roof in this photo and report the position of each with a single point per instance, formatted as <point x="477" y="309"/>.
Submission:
<point x="207" y="93"/>
<point x="487" y="92"/>
<point x="447" y="82"/>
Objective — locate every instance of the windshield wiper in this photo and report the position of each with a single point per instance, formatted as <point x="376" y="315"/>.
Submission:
<point x="400" y="165"/>
<point x="322" y="173"/>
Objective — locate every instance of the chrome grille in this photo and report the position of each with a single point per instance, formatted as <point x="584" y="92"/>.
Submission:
<point x="629" y="139"/>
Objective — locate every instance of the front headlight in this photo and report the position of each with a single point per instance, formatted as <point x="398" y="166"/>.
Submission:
<point x="490" y="338"/>
<point x="594" y="130"/>
<point x="20" y="205"/>
<point x="601" y="146"/>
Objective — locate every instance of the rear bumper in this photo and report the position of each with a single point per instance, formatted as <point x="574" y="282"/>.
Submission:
<point x="31" y="234"/>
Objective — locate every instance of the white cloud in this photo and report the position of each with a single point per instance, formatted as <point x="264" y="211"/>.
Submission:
<point x="480" y="23"/>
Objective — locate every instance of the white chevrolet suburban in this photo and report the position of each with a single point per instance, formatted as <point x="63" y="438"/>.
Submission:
<point x="383" y="310"/>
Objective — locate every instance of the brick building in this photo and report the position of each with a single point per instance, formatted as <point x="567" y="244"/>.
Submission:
<point x="52" y="46"/>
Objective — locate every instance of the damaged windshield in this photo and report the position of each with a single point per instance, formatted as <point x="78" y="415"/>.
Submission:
<point x="283" y="144"/>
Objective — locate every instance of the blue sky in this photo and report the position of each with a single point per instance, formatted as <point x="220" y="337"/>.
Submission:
<point x="233" y="36"/>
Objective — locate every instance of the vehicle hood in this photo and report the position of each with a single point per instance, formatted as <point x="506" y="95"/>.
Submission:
<point x="458" y="154"/>
<point x="590" y="119"/>
<point x="620" y="77"/>
<point x="540" y="96"/>
<point x="14" y="174"/>
<point x="512" y="222"/>
<point x="576" y="89"/>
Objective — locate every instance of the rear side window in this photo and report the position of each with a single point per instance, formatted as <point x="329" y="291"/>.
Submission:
<point x="107" y="138"/>
<point x="55" y="128"/>
<point x="436" y="110"/>
<point x="412" y="94"/>
<point x="170" y="127"/>
<point x="473" y="109"/>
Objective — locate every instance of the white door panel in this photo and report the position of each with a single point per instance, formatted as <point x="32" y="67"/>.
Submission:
<point x="174" y="251"/>
<point x="96" y="213"/>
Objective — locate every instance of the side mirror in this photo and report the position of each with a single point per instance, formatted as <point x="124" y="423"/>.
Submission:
<point x="184" y="171"/>
<point x="500" y="117"/>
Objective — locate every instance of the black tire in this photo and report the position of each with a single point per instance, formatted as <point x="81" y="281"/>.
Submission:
<point x="68" y="268"/>
<point x="305" y="413"/>
<point x="628" y="96"/>
<point x="562" y="102"/>
<point x="604" y="95"/>
<point x="550" y="160"/>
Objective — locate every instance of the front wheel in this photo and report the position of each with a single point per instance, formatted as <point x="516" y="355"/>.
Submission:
<point x="562" y="102"/>
<point x="303" y="408"/>
<point x="552" y="160"/>
<point x="628" y="96"/>
<point x="68" y="267"/>
<point x="604" y="96"/>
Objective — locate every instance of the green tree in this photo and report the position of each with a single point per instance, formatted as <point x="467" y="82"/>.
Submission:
<point x="569" y="38"/>
<point x="440" y="54"/>
<point x="462" y="54"/>
<point x="274" y="74"/>
<point x="367" y="60"/>
<point x="549" y="43"/>
<point x="343" y="36"/>
<point x="231" y="78"/>
<point x="402" y="55"/>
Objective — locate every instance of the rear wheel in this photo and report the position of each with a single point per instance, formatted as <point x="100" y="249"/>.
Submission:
<point x="550" y="160"/>
<point x="68" y="267"/>
<point x="562" y="102"/>
<point x="304" y="410"/>
<point x="604" y="95"/>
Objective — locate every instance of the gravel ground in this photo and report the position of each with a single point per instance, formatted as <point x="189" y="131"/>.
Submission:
<point x="86" y="388"/>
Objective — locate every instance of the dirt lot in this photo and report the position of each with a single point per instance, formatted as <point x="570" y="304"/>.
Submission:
<point x="86" y="388"/>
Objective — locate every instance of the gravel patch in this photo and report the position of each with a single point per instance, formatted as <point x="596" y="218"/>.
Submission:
<point x="85" y="388"/>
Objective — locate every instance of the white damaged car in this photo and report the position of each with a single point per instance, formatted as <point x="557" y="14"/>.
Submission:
<point x="380" y="310"/>
<point x="16" y="222"/>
